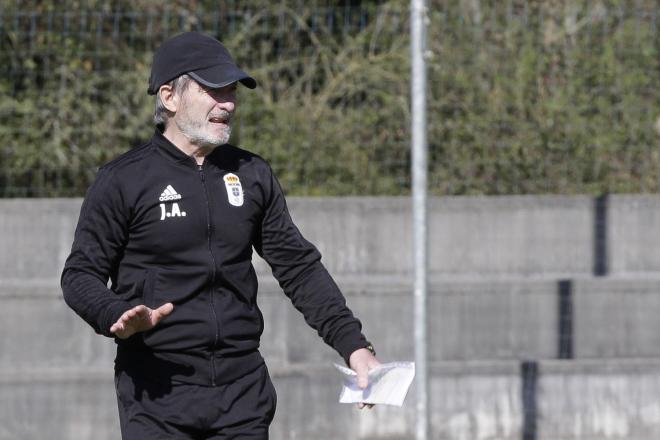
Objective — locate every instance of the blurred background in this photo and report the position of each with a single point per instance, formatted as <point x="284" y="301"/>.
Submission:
<point x="544" y="167"/>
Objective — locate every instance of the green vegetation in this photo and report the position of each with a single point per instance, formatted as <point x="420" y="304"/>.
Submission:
<point x="525" y="97"/>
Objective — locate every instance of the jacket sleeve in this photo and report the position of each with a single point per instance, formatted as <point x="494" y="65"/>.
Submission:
<point x="296" y="264"/>
<point x="98" y="245"/>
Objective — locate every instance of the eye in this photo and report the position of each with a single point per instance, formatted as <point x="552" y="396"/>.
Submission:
<point x="223" y="93"/>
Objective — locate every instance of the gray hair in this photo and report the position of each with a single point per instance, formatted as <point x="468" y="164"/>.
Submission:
<point x="179" y="85"/>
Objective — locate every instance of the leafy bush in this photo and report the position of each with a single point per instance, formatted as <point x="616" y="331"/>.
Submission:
<point x="523" y="96"/>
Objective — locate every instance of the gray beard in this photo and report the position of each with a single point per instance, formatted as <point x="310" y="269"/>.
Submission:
<point x="196" y="134"/>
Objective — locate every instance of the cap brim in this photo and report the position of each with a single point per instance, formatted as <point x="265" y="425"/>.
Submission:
<point x="222" y="75"/>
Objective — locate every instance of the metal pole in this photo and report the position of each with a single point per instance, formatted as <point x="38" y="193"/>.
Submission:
<point x="419" y="184"/>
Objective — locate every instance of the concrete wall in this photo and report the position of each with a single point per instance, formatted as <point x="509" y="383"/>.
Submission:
<point x="543" y="321"/>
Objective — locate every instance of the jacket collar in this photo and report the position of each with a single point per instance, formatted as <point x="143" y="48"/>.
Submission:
<point x="170" y="151"/>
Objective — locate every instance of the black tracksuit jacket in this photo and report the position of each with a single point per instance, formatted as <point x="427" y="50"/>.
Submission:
<point x="164" y="229"/>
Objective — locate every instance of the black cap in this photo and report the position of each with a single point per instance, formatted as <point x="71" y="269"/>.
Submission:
<point x="202" y="57"/>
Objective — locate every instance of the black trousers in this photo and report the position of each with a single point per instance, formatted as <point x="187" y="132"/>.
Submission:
<point x="150" y="410"/>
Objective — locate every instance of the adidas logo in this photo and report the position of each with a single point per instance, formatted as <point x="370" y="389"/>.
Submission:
<point x="169" y="194"/>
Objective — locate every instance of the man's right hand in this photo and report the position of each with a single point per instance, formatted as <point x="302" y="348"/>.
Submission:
<point x="139" y="319"/>
<point x="361" y="361"/>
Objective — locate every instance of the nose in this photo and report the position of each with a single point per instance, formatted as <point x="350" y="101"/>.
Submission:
<point x="228" y="105"/>
<point x="225" y="98"/>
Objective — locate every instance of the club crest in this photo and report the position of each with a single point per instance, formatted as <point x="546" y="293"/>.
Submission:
<point x="234" y="189"/>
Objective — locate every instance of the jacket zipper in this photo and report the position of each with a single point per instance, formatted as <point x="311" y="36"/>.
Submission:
<point x="212" y="289"/>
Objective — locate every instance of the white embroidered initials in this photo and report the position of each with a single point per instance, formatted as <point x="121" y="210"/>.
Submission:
<point x="168" y="195"/>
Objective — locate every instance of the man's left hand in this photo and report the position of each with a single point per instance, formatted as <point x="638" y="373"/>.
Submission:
<point x="361" y="361"/>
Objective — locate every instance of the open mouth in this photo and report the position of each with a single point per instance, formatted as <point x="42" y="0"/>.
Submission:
<point x="220" y="118"/>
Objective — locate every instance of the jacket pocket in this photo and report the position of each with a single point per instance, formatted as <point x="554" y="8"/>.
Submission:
<point x="135" y="294"/>
<point x="149" y="289"/>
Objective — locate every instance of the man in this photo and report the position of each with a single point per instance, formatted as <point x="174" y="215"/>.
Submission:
<point x="172" y="224"/>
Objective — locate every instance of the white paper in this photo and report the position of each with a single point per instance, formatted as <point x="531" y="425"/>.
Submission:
<point x="388" y="384"/>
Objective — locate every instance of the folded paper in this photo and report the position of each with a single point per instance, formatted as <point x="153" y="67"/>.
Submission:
<point x="388" y="384"/>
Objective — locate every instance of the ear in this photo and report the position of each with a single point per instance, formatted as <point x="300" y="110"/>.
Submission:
<point x="169" y="99"/>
